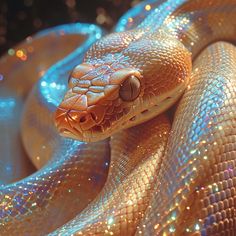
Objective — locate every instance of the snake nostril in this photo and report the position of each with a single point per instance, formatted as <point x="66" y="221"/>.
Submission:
<point x="82" y="119"/>
<point x="87" y="117"/>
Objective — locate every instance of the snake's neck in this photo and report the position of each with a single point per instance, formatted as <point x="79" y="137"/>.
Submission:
<point x="196" y="23"/>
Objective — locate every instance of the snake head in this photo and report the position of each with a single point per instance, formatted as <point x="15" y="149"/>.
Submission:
<point x="123" y="81"/>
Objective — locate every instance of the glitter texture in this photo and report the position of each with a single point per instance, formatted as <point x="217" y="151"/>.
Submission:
<point x="156" y="178"/>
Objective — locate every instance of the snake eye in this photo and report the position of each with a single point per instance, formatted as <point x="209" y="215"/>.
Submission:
<point x="130" y="88"/>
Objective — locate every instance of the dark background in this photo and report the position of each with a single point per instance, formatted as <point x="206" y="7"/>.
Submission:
<point x="21" y="18"/>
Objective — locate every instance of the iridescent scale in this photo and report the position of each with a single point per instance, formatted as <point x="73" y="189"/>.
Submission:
<point x="183" y="186"/>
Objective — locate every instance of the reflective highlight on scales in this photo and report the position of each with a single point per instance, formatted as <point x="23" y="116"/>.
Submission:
<point x="156" y="178"/>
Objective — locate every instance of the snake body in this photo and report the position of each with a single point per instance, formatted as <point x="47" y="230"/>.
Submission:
<point x="154" y="187"/>
<point x="196" y="187"/>
<point x="76" y="172"/>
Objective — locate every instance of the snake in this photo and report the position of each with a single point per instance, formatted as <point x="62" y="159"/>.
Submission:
<point x="122" y="165"/>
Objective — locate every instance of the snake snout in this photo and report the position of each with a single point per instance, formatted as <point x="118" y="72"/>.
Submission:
<point x="82" y="120"/>
<point x="74" y="123"/>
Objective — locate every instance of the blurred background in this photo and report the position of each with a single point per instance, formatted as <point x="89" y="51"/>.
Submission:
<point x="21" y="18"/>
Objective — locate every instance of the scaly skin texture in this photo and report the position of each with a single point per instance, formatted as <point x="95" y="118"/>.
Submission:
<point x="141" y="182"/>
<point x="195" y="190"/>
<point x="157" y="53"/>
<point x="192" y="23"/>
<point x="136" y="156"/>
<point x="93" y="108"/>
<point x="76" y="172"/>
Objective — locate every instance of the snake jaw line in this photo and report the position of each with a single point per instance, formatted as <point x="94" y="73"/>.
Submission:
<point x="155" y="107"/>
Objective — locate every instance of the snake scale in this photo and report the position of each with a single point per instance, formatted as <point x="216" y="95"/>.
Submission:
<point x="172" y="175"/>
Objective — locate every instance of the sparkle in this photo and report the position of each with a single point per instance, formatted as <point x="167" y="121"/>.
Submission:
<point x="19" y="53"/>
<point x="130" y="20"/>
<point x="43" y="83"/>
<point x="53" y="85"/>
<point x="148" y="7"/>
<point x="156" y="226"/>
<point x="193" y="151"/>
<point x="30" y="49"/>
<point x="98" y="36"/>
<point x="129" y="202"/>
<point x="110" y="221"/>
<point x="11" y="52"/>
<point x="172" y="229"/>
<point x="197" y="227"/>
<point x="173" y="216"/>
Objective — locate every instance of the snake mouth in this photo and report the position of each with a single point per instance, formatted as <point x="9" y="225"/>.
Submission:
<point x="74" y="124"/>
<point x="154" y="107"/>
<point x="67" y="133"/>
<point x="64" y="125"/>
<point x="84" y="125"/>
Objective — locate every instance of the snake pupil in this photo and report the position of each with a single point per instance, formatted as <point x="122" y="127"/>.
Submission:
<point x="130" y="89"/>
<point x="82" y="119"/>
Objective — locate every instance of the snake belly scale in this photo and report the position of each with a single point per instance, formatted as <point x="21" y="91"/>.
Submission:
<point x="163" y="178"/>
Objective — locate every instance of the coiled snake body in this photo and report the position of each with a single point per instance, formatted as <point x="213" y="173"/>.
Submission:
<point x="157" y="184"/>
